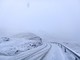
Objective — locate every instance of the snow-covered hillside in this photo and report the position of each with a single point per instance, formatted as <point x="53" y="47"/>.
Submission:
<point x="28" y="36"/>
<point x="12" y="46"/>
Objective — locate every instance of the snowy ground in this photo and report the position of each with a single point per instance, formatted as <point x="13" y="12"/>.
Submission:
<point x="16" y="46"/>
<point x="13" y="46"/>
<point x="30" y="47"/>
<point x="47" y="51"/>
<point x="73" y="45"/>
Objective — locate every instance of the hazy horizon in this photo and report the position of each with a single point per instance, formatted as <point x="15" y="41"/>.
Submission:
<point x="59" y="19"/>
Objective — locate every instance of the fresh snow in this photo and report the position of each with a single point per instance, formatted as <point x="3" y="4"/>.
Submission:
<point x="16" y="46"/>
<point x="47" y="51"/>
<point x="73" y="45"/>
<point x="30" y="47"/>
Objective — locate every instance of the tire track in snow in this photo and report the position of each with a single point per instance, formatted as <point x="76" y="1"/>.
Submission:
<point x="47" y="51"/>
<point x="41" y="54"/>
<point x="27" y="54"/>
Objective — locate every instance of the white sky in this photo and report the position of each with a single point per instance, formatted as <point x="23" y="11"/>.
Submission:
<point x="59" y="18"/>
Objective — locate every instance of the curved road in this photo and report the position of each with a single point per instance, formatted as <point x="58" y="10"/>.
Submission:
<point x="47" y="51"/>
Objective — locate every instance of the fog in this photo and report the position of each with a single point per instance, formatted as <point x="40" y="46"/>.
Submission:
<point x="57" y="19"/>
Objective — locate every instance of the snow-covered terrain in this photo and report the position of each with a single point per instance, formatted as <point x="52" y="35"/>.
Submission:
<point x="56" y="24"/>
<point x="21" y="47"/>
<point x="28" y="36"/>
<point x="47" y="51"/>
<point x="28" y="46"/>
<point x="14" y="46"/>
<point x="73" y="45"/>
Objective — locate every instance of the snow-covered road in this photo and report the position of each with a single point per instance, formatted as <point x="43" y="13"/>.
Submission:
<point x="47" y="51"/>
<point x="55" y="53"/>
<point x="51" y="52"/>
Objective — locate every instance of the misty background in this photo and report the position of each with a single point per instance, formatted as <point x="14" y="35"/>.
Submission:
<point x="50" y="19"/>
